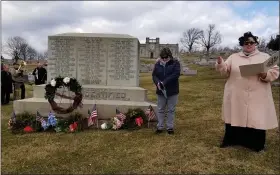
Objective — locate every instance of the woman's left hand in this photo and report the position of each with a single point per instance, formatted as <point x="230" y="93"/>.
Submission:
<point x="262" y="75"/>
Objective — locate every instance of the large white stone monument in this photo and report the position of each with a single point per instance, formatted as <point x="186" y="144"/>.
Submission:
<point x="106" y="65"/>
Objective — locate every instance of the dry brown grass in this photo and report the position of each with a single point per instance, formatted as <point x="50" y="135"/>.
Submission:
<point x="193" y="148"/>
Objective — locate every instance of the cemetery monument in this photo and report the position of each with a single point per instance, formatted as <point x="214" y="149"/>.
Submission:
<point x="106" y="65"/>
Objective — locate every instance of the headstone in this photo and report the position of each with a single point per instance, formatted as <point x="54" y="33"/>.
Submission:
<point x="106" y="65"/>
<point x="276" y="83"/>
<point x="190" y="72"/>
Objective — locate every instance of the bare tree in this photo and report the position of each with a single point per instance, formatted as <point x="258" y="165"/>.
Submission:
<point x="236" y="48"/>
<point x="24" y="51"/>
<point x="31" y="53"/>
<point x="191" y="37"/>
<point x="262" y="44"/>
<point x="210" y="38"/>
<point x="45" y="55"/>
<point x="16" y="47"/>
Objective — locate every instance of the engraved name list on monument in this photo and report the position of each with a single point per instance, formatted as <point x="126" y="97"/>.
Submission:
<point x="122" y="62"/>
<point x="61" y="59"/>
<point x="92" y="60"/>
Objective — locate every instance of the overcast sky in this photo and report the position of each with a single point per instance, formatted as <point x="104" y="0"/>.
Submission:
<point x="35" y="20"/>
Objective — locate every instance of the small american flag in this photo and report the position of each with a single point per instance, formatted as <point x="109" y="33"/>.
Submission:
<point x="120" y="115"/>
<point x="41" y="120"/>
<point x="39" y="117"/>
<point x="93" y="116"/>
<point x="150" y="113"/>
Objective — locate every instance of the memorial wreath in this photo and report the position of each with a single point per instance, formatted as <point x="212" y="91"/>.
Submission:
<point x="73" y="85"/>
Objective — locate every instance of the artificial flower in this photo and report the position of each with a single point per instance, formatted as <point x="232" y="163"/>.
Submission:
<point x="53" y="82"/>
<point x="58" y="129"/>
<point x="114" y="127"/>
<point x="104" y="126"/>
<point x="28" y="129"/>
<point x="139" y="121"/>
<point x="73" y="126"/>
<point x="66" y="80"/>
<point x="117" y="122"/>
<point x="10" y="124"/>
<point x="52" y="120"/>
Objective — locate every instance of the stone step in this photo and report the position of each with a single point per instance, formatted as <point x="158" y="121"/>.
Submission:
<point x="106" y="108"/>
<point x="96" y="92"/>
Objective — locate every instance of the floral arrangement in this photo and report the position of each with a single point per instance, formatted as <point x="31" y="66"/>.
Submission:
<point x="132" y="119"/>
<point x="27" y="122"/>
<point x="72" y="84"/>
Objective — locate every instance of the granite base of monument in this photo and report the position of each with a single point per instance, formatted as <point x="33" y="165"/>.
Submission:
<point x="106" y="98"/>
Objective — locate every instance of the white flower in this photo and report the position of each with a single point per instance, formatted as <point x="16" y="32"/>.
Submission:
<point x="104" y="126"/>
<point x="53" y="82"/>
<point x="66" y="80"/>
<point x="114" y="127"/>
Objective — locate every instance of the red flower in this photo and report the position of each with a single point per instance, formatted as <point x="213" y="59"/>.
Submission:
<point x="73" y="126"/>
<point x="28" y="129"/>
<point x="139" y="121"/>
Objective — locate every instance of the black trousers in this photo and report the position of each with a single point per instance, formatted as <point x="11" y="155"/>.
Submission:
<point x="22" y="87"/>
<point x="5" y="96"/>
<point x="251" y="138"/>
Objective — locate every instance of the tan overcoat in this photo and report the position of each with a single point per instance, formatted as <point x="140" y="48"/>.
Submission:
<point x="248" y="101"/>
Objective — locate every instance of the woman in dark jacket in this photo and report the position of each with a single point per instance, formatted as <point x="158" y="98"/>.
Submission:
<point x="6" y="85"/>
<point x="166" y="75"/>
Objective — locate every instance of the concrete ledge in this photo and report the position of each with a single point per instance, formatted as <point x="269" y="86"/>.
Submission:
<point x="106" y="108"/>
<point x="118" y="93"/>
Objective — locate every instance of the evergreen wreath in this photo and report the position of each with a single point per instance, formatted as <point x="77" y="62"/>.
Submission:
<point x="72" y="84"/>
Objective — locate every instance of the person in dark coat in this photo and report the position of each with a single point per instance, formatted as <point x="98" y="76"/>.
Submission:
<point x="166" y="75"/>
<point x="6" y="85"/>
<point x="40" y="74"/>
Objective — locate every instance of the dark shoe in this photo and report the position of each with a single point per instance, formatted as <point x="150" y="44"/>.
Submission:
<point x="170" y="131"/>
<point x="223" y="145"/>
<point x="158" y="131"/>
<point x="258" y="150"/>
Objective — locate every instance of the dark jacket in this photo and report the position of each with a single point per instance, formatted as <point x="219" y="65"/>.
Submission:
<point x="168" y="75"/>
<point x="6" y="81"/>
<point x="42" y="75"/>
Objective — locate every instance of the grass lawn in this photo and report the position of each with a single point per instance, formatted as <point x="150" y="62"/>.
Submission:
<point x="147" y="61"/>
<point x="193" y="148"/>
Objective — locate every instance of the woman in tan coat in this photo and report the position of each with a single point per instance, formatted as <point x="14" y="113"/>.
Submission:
<point x="248" y="108"/>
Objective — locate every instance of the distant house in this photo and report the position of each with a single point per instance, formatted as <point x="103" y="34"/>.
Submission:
<point x="152" y="48"/>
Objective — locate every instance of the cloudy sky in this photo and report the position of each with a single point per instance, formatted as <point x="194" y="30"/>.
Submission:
<point x="35" y="20"/>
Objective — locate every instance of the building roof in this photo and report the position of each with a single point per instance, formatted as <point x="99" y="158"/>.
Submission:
<point x="100" y="35"/>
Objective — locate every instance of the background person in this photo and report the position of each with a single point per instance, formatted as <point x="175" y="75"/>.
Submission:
<point x="18" y="77"/>
<point x="40" y="74"/>
<point x="6" y="85"/>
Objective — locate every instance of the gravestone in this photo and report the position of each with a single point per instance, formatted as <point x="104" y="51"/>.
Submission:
<point x="107" y="67"/>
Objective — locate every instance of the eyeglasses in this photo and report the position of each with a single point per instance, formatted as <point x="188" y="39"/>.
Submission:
<point x="251" y="43"/>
